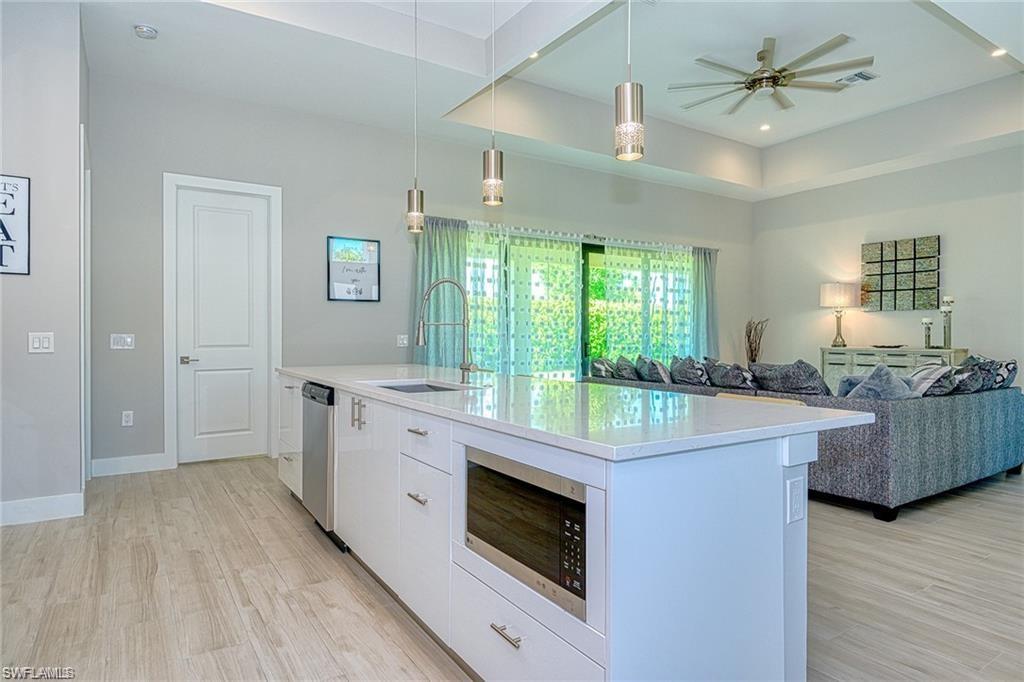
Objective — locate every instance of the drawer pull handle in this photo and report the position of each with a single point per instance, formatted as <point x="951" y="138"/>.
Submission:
<point x="287" y="458"/>
<point x="417" y="497"/>
<point x="419" y="432"/>
<point x="502" y="630"/>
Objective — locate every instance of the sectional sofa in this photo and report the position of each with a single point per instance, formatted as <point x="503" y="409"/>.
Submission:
<point x="916" y="448"/>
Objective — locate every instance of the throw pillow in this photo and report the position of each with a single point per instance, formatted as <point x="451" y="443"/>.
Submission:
<point x="724" y="375"/>
<point x="987" y="367"/>
<point x="882" y="384"/>
<point x="661" y="371"/>
<point x="649" y="371"/>
<point x="689" y="372"/>
<point x="602" y="368"/>
<point x="1007" y="374"/>
<point x="932" y="380"/>
<point x="968" y="379"/>
<point x="852" y="381"/>
<point x="799" y="377"/>
<point x="624" y="369"/>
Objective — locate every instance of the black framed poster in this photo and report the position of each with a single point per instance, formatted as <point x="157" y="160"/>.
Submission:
<point x="14" y="225"/>
<point x="353" y="269"/>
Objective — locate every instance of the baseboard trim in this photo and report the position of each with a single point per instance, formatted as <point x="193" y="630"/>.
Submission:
<point x="33" y="509"/>
<point x="132" y="464"/>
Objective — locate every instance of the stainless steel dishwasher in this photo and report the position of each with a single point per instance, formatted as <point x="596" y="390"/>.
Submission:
<point x="318" y="453"/>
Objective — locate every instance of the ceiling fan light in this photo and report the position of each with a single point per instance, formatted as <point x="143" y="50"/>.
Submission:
<point x="764" y="91"/>
<point x="414" y="211"/>
<point x="494" y="177"/>
<point x="629" y="121"/>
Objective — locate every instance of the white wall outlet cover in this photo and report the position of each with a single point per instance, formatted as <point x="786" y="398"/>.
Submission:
<point x="403" y="340"/>
<point x="40" y="342"/>
<point x="128" y="418"/>
<point x="796" y="499"/>
<point x="122" y="341"/>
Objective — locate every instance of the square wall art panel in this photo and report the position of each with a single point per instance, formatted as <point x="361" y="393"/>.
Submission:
<point x="902" y="274"/>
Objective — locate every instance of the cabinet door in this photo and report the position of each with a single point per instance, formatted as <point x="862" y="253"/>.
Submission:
<point x="350" y="442"/>
<point x="290" y="393"/>
<point x="375" y="450"/>
<point x="425" y="543"/>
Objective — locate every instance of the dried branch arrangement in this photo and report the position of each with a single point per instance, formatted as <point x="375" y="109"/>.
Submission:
<point x="754" y="332"/>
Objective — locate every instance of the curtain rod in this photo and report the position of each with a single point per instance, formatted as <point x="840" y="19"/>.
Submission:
<point x="571" y="236"/>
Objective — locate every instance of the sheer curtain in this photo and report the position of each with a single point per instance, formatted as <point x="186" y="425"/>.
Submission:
<point x="650" y="300"/>
<point x="440" y="252"/>
<point x="704" y="319"/>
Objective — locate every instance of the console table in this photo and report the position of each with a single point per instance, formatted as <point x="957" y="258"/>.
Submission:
<point x="839" y="362"/>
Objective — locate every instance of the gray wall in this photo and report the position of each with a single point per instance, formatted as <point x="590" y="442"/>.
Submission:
<point x="975" y="204"/>
<point x="40" y="438"/>
<point x="339" y="179"/>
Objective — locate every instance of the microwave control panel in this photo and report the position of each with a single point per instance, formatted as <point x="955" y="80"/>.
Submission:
<point x="574" y="548"/>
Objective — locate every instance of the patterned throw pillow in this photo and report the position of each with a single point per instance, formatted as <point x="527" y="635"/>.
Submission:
<point x="968" y="379"/>
<point x="996" y="373"/>
<point x="882" y="384"/>
<point x="661" y="371"/>
<point x="645" y="368"/>
<point x="624" y="369"/>
<point x="689" y="372"/>
<point x="799" y="377"/>
<point x="724" y="375"/>
<point x="602" y="368"/>
<point x="1007" y="374"/>
<point x="933" y="380"/>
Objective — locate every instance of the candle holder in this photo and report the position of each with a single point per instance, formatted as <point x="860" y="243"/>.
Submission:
<point x="927" y="324"/>
<point x="947" y="321"/>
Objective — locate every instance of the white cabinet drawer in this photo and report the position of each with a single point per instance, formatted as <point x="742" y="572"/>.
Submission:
<point x="500" y="642"/>
<point x="425" y="544"/>
<point x="427" y="438"/>
<point x="289" y="468"/>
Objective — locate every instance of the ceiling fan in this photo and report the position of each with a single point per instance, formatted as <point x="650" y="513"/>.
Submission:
<point x="768" y="81"/>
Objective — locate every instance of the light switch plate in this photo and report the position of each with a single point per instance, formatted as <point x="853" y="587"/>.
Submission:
<point x="40" y="342"/>
<point x="128" y="418"/>
<point x="403" y="340"/>
<point x="796" y="497"/>
<point x="122" y="341"/>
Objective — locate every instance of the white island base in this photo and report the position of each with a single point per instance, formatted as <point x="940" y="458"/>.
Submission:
<point x="696" y="531"/>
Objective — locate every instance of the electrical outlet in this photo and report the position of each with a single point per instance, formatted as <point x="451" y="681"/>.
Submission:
<point x="795" y="499"/>
<point x="403" y="340"/>
<point x="40" y="342"/>
<point x="128" y="418"/>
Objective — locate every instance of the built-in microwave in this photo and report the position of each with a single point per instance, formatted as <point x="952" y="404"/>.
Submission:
<point x="531" y="524"/>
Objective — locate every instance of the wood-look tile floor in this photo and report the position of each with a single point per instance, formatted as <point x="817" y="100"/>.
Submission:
<point x="213" y="571"/>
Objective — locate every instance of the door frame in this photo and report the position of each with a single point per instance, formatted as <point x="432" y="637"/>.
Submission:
<point x="172" y="183"/>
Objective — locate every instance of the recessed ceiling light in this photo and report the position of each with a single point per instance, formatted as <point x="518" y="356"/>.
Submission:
<point x="534" y="55"/>
<point x="765" y="126"/>
<point x="998" y="52"/>
<point x="146" y="32"/>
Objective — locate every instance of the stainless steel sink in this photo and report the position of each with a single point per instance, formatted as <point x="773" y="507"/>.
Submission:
<point x="422" y="386"/>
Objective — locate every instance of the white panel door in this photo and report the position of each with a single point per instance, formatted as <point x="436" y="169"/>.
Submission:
<point x="223" y="334"/>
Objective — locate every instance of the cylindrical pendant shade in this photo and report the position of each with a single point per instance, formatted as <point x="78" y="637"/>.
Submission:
<point x="414" y="210"/>
<point x="629" y="121"/>
<point x="839" y="295"/>
<point x="494" y="177"/>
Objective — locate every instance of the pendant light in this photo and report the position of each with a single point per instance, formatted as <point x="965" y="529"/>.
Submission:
<point x="414" y="197"/>
<point x="494" y="161"/>
<point x="629" y="105"/>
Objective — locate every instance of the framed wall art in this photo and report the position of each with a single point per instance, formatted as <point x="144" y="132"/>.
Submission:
<point x="353" y="269"/>
<point x="14" y="224"/>
<point x="901" y="274"/>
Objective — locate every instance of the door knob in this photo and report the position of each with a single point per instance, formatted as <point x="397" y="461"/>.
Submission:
<point x="186" y="360"/>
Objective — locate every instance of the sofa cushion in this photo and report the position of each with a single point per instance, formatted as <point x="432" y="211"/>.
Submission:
<point x="725" y="375"/>
<point x="688" y="372"/>
<point x="799" y="377"/>
<point x="882" y="384"/>
<point x="603" y="368"/>
<point x="932" y="380"/>
<point x="652" y="370"/>
<point x="625" y="369"/>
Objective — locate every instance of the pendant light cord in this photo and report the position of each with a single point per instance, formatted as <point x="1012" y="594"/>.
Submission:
<point x="415" y="95"/>
<point x="629" y="40"/>
<point x="492" y="73"/>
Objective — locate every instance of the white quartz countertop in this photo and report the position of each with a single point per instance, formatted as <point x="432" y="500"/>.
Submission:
<point x="611" y="422"/>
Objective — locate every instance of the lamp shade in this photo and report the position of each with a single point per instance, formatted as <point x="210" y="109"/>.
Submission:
<point x="840" y="295"/>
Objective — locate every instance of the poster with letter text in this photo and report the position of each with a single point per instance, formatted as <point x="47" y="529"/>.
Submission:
<point x="14" y="225"/>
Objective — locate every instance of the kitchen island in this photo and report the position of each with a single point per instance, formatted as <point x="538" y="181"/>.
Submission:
<point x="554" y="530"/>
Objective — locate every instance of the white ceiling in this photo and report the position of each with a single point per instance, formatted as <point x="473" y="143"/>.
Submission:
<point x="916" y="55"/>
<point x="471" y="18"/>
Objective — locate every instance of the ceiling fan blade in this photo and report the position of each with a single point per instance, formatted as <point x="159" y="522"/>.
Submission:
<point x="676" y="87"/>
<point x="724" y="68"/>
<point x="848" y="65"/>
<point x="767" y="54"/>
<point x="817" y="53"/>
<point x="740" y="102"/>
<point x="816" y="85"/>
<point x="780" y="98"/>
<point x="691" y="105"/>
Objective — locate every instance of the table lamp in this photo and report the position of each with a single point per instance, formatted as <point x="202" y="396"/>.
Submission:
<point x="839" y="296"/>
